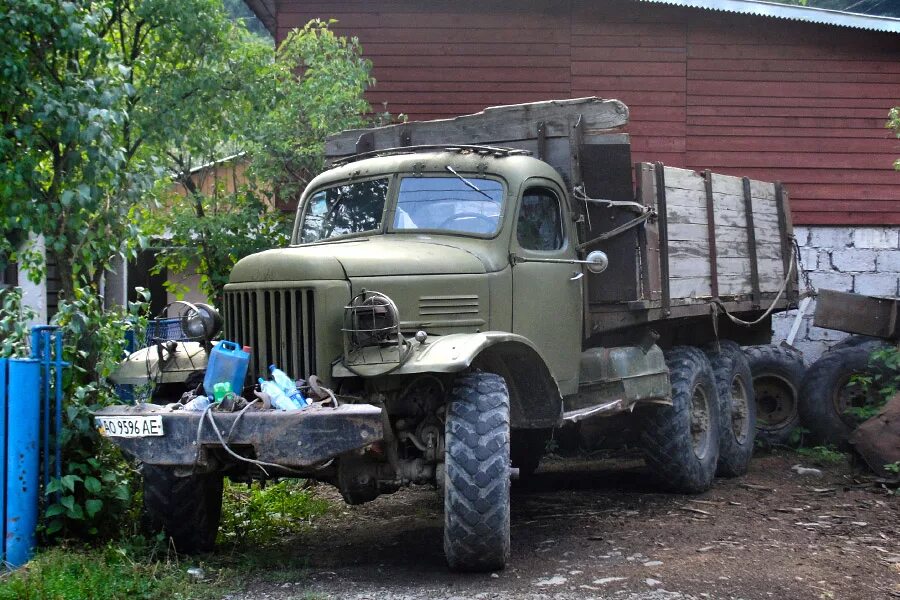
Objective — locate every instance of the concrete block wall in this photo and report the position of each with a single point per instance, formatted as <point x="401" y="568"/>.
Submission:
<point x="864" y="260"/>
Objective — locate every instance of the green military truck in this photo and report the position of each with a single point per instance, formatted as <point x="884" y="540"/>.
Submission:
<point x="467" y="286"/>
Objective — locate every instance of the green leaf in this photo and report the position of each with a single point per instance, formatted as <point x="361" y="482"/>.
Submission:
<point x="121" y="493"/>
<point x="92" y="484"/>
<point x="68" y="481"/>
<point x="55" y="510"/>
<point x="76" y="513"/>
<point x="54" y="526"/>
<point x="93" y="506"/>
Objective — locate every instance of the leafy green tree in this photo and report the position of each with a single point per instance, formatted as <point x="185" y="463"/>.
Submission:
<point x="277" y="123"/>
<point x="316" y="88"/>
<point x="60" y="166"/>
<point x="95" y="93"/>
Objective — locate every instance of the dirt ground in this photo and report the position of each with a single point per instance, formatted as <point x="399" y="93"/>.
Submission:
<point x="600" y="530"/>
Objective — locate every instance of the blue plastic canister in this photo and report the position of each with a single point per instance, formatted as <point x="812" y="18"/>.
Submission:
<point x="227" y="362"/>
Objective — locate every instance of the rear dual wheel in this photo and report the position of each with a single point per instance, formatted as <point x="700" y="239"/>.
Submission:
<point x="681" y="441"/>
<point x="737" y="407"/>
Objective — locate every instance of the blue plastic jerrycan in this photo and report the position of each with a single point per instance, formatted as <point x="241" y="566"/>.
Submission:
<point x="227" y="362"/>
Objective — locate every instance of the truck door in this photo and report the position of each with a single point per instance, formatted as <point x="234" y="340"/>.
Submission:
<point x="547" y="295"/>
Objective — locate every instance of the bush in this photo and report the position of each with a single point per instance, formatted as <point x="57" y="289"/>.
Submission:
<point x="14" y="333"/>
<point x="880" y="384"/>
<point x="93" y="498"/>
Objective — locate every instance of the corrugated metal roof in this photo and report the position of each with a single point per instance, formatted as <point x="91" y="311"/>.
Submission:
<point x="792" y="13"/>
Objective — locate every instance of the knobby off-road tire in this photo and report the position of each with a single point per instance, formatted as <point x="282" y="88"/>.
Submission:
<point x="827" y="393"/>
<point x="681" y="442"/>
<point x="737" y="407"/>
<point x="476" y="462"/>
<point x="777" y="376"/>
<point x="187" y="509"/>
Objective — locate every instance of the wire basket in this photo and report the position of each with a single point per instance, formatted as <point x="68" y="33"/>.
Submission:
<point x="167" y="329"/>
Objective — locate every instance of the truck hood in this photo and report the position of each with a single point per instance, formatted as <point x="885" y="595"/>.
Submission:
<point x="362" y="257"/>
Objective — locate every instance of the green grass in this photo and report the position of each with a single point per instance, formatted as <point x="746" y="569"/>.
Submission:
<point x="110" y="573"/>
<point x="262" y="515"/>
<point x="823" y="455"/>
<point x="256" y="524"/>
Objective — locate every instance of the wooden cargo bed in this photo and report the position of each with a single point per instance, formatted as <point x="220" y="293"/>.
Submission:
<point x="710" y="239"/>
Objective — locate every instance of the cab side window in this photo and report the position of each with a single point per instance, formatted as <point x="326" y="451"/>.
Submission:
<point x="540" y="221"/>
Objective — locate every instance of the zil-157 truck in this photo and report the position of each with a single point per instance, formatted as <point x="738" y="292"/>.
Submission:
<point x="465" y="287"/>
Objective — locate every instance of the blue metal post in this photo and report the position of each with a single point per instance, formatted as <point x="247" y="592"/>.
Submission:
<point x="22" y="473"/>
<point x="3" y="398"/>
<point x="59" y="364"/>
<point x="44" y="355"/>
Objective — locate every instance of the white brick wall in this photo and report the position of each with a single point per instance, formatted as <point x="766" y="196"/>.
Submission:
<point x="865" y="260"/>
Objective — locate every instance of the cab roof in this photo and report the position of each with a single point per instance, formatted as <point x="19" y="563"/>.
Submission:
<point x="508" y="163"/>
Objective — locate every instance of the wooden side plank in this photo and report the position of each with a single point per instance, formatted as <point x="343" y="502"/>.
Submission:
<point x="513" y="122"/>
<point x="735" y="248"/>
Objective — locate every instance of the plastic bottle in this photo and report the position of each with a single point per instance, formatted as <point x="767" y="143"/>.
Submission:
<point x="288" y="386"/>
<point x="220" y="390"/>
<point x="198" y="404"/>
<point x="280" y="400"/>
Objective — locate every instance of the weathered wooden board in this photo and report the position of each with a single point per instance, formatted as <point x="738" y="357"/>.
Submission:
<point x="732" y="263"/>
<point x="491" y="126"/>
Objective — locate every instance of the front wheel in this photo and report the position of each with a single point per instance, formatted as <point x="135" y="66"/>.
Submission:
<point x="187" y="509"/>
<point x="681" y="441"/>
<point x="476" y="463"/>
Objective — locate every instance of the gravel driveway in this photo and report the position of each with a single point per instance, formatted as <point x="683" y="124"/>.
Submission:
<point x="600" y="530"/>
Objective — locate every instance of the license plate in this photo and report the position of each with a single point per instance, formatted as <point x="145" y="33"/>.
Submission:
<point x="129" y="426"/>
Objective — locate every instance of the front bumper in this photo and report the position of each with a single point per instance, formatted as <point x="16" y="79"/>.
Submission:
<point x="295" y="439"/>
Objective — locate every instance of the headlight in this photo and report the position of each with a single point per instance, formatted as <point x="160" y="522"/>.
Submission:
<point x="371" y="319"/>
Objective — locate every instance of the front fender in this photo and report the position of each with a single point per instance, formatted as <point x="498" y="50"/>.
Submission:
<point x="440" y="354"/>
<point x="144" y="365"/>
<point x="535" y="400"/>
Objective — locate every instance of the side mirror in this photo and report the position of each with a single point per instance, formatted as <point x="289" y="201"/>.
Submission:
<point x="597" y="261"/>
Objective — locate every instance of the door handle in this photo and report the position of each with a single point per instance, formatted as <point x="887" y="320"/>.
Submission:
<point x="576" y="276"/>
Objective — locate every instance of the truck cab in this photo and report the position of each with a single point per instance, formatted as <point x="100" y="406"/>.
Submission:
<point x="463" y="242"/>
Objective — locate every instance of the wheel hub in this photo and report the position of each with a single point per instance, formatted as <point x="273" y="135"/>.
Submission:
<point x="740" y="412"/>
<point x="775" y="401"/>
<point x="848" y="394"/>
<point x="700" y="434"/>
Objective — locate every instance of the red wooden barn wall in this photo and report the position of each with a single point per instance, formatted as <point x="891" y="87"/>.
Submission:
<point x="772" y="99"/>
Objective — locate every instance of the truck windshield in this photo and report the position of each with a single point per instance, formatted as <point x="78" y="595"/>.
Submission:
<point x="457" y="204"/>
<point x="344" y="209"/>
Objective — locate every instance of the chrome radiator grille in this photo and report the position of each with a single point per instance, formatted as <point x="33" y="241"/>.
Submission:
<point x="279" y="326"/>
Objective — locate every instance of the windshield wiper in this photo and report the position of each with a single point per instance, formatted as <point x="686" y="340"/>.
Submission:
<point x="470" y="184"/>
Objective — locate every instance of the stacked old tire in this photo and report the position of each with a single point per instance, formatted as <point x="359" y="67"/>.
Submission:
<point x="829" y="391"/>
<point x="777" y="373"/>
